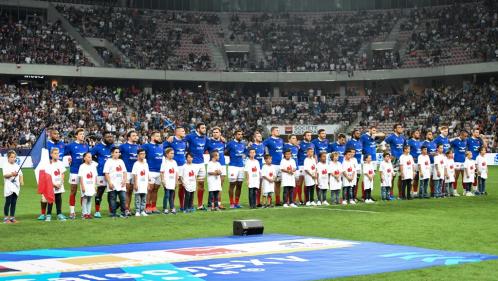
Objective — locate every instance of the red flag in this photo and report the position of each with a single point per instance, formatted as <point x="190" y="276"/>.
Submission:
<point x="45" y="186"/>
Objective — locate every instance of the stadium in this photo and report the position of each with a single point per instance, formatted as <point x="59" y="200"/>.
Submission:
<point x="248" y="139"/>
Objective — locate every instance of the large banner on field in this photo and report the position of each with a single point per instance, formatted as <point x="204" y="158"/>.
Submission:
<point x="300" y="129"/>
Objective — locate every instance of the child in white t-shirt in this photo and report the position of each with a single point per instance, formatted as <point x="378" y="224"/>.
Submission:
<point x="189" y="180"/>
<point x="368" y="178"/>
<point x="323" y="174"/>
<point x="310" y="176"/>
<point x="482" y="171"/>
<point x="88" y="183"/>
<point x="214" y="180"/>
<point x="407" y="172"/>
<point x="56" y="170"/>
<point x="386" y="171"/>
<point x="116" y="178"/>
<point x="268" y="175"/>
<point x="13" y="180"/>
<point x="438" y="173"/>
<point x="349" y="170"/>
<point x="469" y="172"/>
<point x="140" y="173"/>
<point x="449" y="173"/>
<point x="169" y="176"/>
<point x="424" y="172"/>
<point x="253" y="176"/>
<point x="335" y="179"/>
<point x="288" y="168"/>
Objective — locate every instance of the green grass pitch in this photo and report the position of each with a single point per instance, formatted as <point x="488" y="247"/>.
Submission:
<point x="455" y="224"/>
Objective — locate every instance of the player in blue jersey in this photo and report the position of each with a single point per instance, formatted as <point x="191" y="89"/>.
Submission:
<point x="154" y="151"/>
<point x="396" y="142"/>
<point x="474" y="144"/>
<point x="339" y="146"/>
<point x="321" y="143"/>
<point x="355" y="143"/>
<point x="257" y="145"/>
<point x="52" y="142"/>
<point x="459" y="146"/>
<point x="129" y="153"/>
<point x="75" y="150"/>
<point x="369" y="147"/>
<point x="100" y="153"/>
<point x="236" y="150"/>
<point x="274" y="145"/>
<point x="443" y="138"/>
<point x="415" y="145"/>
<point x="431" y="150"/>
<point x="196" y="145"/>
<point x="304" y="144"/>
<point x="217" y="143"/>
<point x="179" y="146"/>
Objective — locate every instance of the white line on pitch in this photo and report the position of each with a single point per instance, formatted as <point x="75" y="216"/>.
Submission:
<point x="303" y="208"/>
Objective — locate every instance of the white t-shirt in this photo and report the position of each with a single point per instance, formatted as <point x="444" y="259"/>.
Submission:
<point x="141" y="170"/>
<point x="368" y="169"/>
<point x="269" y="172"/>
<point x="189" y="177"/>
<point x="482" y="167"/>
<point x="349" y="168"/>
<point x="470" y="168"/>
<point x="335" y="169"/>
<point x="56" y="170"/>
<point x="406" y="161"/>
<point x="88" y="175"/>
<point x="169" y="170"/>
<point x="288" y="165"/>
<point x="117" y="170"/>
<point x="309" y="167"/>
<point x="9" y="185"/>
<point x="438" y="166"/>
<point x="323" y="172"/>
<point x="213" y="181"/>
<point x="424" y="163"/>
<point x="449" y="165"/>
<point x="253" y="172"/>
<point x="387" y="173"/>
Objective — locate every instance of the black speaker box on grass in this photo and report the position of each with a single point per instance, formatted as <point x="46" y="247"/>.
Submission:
<point x="247" y="227"/>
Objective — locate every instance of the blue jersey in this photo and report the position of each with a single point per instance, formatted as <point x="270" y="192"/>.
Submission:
<point x="60" y="145"/>
<point x="294" y="150"/>
<point x="102" y="152"/>
<point x="369" y="146"/>
<point x="358" y="148"/>
<point x="236" y="150"/>
<point x="396" y="144"/>
<point x="415" y="148"/>
<point x="217" y="145"/>
<point x="154" y="156"/>
<point x="179" y="147"/>
<point x="459" y="147"/>
<point x="196" y="144"/>
<point x="473" y="146"/>
<point x="339" y="148"/>
<point x="76" y="151"/>
<point x="320" y="146"/>
<point x="301" y="154"/>
<point x="275" y="148"/>
<point x="431" y="149"/>
<point x="129" y="154"/>
<point x="260" y="152"/>
<point x="444" y="141"/>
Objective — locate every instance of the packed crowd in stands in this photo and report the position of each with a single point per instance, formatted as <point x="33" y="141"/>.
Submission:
<point x="24" y="110"/>
<point x="34" y="41"/>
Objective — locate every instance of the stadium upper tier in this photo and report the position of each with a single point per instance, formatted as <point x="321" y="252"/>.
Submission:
<point x="285" y="42"/>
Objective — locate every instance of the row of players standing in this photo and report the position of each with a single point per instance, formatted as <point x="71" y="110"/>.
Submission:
<point x="197" y="143"/>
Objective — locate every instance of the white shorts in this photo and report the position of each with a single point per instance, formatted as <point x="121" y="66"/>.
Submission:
<point x="278" y="177"/>
<point x="458" y="166"/>
<point x="101" y="181"/>
<point x="415" y="168"/>
<point x="201" y="171"/>
<point x="129" y="178"/>
<point x="300" y="171"/>
<point x="223" y="170"/>
<point x="155" y="178"/>
<point x="235" y="173"/>
<point x="74" y="179"/>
